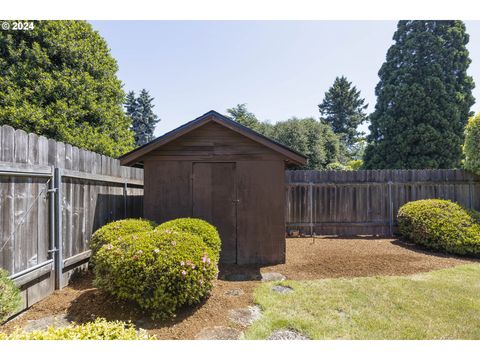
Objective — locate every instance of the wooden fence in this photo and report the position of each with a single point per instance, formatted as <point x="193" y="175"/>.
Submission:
<point x="366" y="202"/>
<point x="52" y="197"/>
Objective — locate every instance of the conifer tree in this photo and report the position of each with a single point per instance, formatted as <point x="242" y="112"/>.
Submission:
<point x="423" y="98"/>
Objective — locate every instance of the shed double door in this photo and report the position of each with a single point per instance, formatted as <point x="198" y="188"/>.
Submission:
<point x="215" y="200"/>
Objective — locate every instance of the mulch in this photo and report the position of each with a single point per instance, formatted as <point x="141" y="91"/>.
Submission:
<point x="307" y="259"/>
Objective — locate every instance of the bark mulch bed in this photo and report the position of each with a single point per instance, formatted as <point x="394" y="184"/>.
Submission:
<point x="307" y="259"/>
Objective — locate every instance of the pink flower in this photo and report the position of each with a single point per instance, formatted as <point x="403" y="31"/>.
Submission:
<point x="201" y="281"/>
<point x="135" y="257"/>
<point x="182" y="263"/>
<point x="109" y="247"/>
<point x="193" y="266"/>
<point x="139" y="252"/>
<point x="184" y="272"/>
<point x="188" y="262"/>
<point x="119" y="238"/>
<point x="204" y="258"/>
<point x="156" y="251"/>
<point x="208" y="261"/>
<point x="174" y="243"/>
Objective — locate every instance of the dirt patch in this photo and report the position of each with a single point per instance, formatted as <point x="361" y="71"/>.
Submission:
<point x="306" y="259"/>
<point x="324" y="257"/>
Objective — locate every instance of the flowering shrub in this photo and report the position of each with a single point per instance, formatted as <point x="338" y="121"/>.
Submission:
<point x="9" y="296"/>
<point x="160" y="270"/>
<point x="440" y="225"/>
<point x="116" y="229"/>
<point x="100" y="329"/>
<point x="207" y="232"/>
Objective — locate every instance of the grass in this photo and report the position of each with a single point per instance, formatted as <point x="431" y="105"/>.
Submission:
<point x="442" y="304"/>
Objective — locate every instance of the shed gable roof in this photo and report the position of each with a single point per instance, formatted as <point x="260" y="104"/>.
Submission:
<point x="134" y="156"/>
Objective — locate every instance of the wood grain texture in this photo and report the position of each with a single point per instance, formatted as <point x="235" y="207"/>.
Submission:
<point x="365" y="202"/>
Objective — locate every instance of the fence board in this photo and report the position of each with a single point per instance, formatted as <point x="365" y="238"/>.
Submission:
<point x="366" y="202"/>
<point x="93" y="194"/>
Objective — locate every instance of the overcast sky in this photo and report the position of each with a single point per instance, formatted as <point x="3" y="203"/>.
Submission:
<point x="279" y="68"/>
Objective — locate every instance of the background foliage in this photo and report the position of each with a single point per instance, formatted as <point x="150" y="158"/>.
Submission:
<point x="423" y="98"/>
<point x="471" y="148"/>
<point x="59" y="80"/>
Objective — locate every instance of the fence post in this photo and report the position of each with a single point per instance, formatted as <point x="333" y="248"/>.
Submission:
<point x="125" y="193"/>
<point x="57" y="178"/>
<point x="390" y="207"/>
<point x="310" y="203"/>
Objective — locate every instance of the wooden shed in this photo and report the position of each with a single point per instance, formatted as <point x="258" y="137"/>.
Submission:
<point x="227" y="174"/>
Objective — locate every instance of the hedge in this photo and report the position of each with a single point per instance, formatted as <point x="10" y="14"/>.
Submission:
<point x="100" y="329"/>
<point x="440" y="225"/>
<point x="161" y="271"/>
<point x="207" y="232"/>
<point x="116" y="229"/>
<point x="9" y="296"/>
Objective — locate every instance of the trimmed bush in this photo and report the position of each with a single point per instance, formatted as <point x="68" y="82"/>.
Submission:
<point x="471" y="148"/>
<point x="9" y="296"/>
<point x="207" y="232"/>
<point x="440" y="225"/>
<point x="160" y="270"/>
<point x="100" y="329"/>
<point x="116" y="229"/>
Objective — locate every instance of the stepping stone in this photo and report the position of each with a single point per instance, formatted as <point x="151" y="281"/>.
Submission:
<point x="234" y="292"/>
<point x="287" y="334"/>
<point x="58" y="321"/>
<point x="272" y="276"/>
<point x="282" y="289"/>
<point x="245" y="316"/>
<point x="219" y="333"/>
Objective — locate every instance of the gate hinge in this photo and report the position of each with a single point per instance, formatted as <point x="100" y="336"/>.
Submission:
<point x="52" y="250"/>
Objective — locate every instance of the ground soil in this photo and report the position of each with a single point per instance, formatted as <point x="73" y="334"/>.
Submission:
<point x="307" y="259"/>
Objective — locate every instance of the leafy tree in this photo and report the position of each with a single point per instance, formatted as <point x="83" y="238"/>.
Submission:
<point x="240" y="114"/>
<point x="344" y="110"/>
<point x="315" y="139"/>
<point x="143" y="119"/>
<point x="471" y="149"/>
<point x="59" y="80"/>
<point x="423" y="98"/>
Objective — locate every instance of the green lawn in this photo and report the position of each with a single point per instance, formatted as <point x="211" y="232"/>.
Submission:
<point x="442" y="304"/>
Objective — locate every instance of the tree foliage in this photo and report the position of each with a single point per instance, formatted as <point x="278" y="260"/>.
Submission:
<point x="471" y="149"/>
<point x="344" y="110"/>
<point x="140" y="110"/>
<point x="312" y="138"/>
<point x="423" y="98"/>
<point x="59" y="80"/>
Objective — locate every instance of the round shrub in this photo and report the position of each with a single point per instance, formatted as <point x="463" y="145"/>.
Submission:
<point x="161" y="271"/>
<point x="440" y="225"/>
<point x="471" y="148"/>
<point x="207" y="232"/>
<point x="112" y="231"/>
<point x="9" y="296"/>
<point x="100" y="329"/>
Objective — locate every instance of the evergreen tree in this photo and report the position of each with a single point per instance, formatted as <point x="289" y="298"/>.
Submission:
<point x="423" y="98"/>
<point x="143" y="119"/>
<point x="59" y="80"/>
<point x="343" y="109"/>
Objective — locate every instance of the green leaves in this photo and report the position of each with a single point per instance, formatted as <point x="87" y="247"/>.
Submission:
<point x="9" y="296"/>
<point x="161" y="270"/>
<point x="59" y="80"/>
<point x="423" y="98"/>
<point x="471" y="148"/>
<point x="440" y="225"/>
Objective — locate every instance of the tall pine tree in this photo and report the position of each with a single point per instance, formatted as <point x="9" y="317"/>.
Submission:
<point x="344" y="110"/>
<point x="423" y="98"/>
<point x="143" y="119"/>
